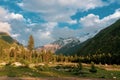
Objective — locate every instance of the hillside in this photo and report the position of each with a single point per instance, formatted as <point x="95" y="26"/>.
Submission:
<point x="106" y="41"/>
<point x="3" y="44"/>
<point x="7" y="38"/>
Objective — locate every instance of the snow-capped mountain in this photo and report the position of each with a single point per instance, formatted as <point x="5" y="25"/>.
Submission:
<point x="65" y="41"/>
<point x="67" y="46"/>
<point x="60" y="43"/>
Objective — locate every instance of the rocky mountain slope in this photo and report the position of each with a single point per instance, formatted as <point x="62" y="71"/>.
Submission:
<point x="58" y="45"/>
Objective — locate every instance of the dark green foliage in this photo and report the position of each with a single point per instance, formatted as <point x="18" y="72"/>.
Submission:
<point x="80" y="67"/>
<point x="106" y="41"/>
<point x="7" y="38"/>
<point x="100" y="58"/>
<point x="93" y="68"/>
<point x="42" y="68"/>
<point x="68" y="49"/>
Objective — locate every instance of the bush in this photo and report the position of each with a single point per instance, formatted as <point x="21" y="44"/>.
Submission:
<point x="80" y="67"/>
<point x="39" y="68"/>
<point x="8" y="64"/>
<point x="93" y="68"/>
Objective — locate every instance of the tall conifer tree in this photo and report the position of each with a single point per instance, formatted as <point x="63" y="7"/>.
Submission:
<point x="31" y="43"/>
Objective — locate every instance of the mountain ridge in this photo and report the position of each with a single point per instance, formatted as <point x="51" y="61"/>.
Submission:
<point x="58" y="44"/>
<point x="106" y="41"/>
<point x="7" y="38"/>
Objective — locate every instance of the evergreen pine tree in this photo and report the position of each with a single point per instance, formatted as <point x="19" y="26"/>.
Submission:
<point x="30" y="46"/>
<point x="31" y="43"/>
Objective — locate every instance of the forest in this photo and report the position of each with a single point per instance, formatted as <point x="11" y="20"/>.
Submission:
<point x="18" y="53"/>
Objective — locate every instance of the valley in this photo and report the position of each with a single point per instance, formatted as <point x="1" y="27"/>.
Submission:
<point x="60" y="71"/>
<point x="66" y="58"/>
<point x="59" y="39"/>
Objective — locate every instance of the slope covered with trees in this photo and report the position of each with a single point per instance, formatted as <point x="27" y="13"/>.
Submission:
<point x="6" y="38"/>
<point x="104" y="46"/>
<point x="6" y="41"/>
<point x="106" y="41"/>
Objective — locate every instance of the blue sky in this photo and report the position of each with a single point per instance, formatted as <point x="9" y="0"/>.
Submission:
<point x="52" y="19"/>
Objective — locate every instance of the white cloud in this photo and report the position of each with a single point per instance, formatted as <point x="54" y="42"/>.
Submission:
<point x="94" y="21"/>
<point x="60" y="10"/>
<point x="43" y="37"/>
<point x="64" y="32"/>
<point x="14" y="16"/>
<point x="52" y="5"/>
<point x="28" y="30"/>
<point x="72" y="22"/>
<point x="112" y="1"/>
<point x="54" y="11"/>
<point x="15" y="35"/>
<point x="7" y="20"/>
<point x="49" y="26"/>
<point x="20" y="4"/>
<point x="82" y="39"/>
<point x="50" y="31"/>
<point x="5" y="15"/>
<point x="2" y="11"/>
<point x="111" y="18"/>
<point x="41" y="32"/>
<point x="91" y="24"/>
<point x="90" y="20"/>
<point x="5" y="27"/>
<point x="50" y="34"/>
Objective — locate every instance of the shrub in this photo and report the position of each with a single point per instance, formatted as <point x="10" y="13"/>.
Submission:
<point x="80" y="67"/>
<point x="93" y="68"/>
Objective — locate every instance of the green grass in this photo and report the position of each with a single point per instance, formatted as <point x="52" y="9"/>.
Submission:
<point x="12" y="71"/>
<point x="58" y="71"/>
<point x="101" y="73"/>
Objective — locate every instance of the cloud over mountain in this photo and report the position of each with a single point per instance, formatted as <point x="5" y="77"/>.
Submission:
<point x="49" y="20"/>
<point x="5" y="27"/>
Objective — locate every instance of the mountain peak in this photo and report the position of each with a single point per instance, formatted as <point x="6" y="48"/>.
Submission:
<point x="59" y="44"/>
<point x="65" y="41"/>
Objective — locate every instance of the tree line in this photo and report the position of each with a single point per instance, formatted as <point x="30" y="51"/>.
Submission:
<point x="26" y="55"/>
